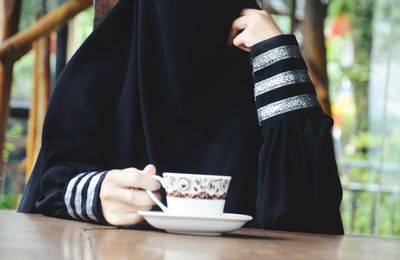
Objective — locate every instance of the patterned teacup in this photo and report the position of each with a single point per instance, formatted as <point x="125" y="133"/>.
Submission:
<point x="193" y="194"/>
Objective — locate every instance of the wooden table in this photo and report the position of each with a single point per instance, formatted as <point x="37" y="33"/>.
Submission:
<point x="29" y="236"/>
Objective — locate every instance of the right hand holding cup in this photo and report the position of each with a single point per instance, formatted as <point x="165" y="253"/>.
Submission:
<point x="123" y="193"/>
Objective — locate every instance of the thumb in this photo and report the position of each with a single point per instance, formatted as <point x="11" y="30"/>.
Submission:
<point x="149" y="170"/>
<point x="240" y="41"/>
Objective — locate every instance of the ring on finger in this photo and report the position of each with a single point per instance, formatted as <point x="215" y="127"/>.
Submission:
<point x="129" y="196"/>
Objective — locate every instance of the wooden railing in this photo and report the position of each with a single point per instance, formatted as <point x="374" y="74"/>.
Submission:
<point x="15" y="45"/>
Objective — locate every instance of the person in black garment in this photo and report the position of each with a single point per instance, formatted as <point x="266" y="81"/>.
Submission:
<point x="161" y="83"/>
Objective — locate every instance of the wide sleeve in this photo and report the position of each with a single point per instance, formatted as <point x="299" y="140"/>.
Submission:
<point x="298" y="185"/>
<point x="67" y="191"/>
<point x="80" y="141"/>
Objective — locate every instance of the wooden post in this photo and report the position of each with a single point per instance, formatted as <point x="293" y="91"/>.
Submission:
<point x="40" y="101"/>
<point x="314" y="49"/>
<point x="9" y="21"/>
<point x="13" y="46"/>
<point x="101" y="8"/>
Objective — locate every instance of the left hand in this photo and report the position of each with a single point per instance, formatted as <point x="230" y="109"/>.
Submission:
<point x="252" y="27"/>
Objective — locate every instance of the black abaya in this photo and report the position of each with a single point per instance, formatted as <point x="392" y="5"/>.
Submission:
<point x="156" y="83"/>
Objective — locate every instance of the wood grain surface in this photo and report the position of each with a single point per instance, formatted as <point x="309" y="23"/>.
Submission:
<point x="29" y="236"/>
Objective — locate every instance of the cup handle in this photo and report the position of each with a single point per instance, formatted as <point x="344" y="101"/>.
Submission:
<point x="154" y="198"/>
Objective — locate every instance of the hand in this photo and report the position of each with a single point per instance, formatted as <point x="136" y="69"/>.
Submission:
<point x="252" y="27"/>
<point x="122" y="194"/>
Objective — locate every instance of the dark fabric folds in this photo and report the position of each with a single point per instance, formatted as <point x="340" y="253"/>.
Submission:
<point x="298" y="185"/>
<point x="156" y="82"/>
<point x="306" y="194"/>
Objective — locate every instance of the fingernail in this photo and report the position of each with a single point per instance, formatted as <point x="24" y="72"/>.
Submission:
<point x="150" y="168"/>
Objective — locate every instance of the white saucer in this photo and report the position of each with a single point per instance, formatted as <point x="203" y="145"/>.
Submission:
<point x="195" y="225"/>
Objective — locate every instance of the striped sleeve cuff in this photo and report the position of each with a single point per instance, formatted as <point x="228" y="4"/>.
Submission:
<point x="82" y="197"/>
<point x="281" y="81"/>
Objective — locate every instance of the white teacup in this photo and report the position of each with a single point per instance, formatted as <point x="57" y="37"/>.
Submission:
<point x="193" y="194"/>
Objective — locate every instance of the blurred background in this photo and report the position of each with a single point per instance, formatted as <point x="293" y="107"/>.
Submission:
<point x="352" y="49"/>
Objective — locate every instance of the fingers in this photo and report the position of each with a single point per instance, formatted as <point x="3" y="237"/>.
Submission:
<point x="133" y="178"/>
<point x="252" y="27"/>
<point x="122" y="194"/>
<point x="237" y="25"/>
<point x="119" y="212"/>
<point x="241" y="41"/>
<point x="120" y="206"/>
<point x="129" y="219"/>
<point x="132" y="197"/>
<point x="124" y="219"/>
<point x="236" y="35"/>
<point x="149" y="170"/>
<point x="250" y="11"/>
<point x="241" y="23"/>
<point x="246" y="17"/>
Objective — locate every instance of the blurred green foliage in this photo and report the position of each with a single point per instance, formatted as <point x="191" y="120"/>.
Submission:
<point x="361" y="14"/>
<point x="8" y="148"/>
<point x="22" y="79"/>
<point x="32" y="8"/>
<point x="7" y="201"/>
<point x="15" y="131"/>
<point x="349" y="64"/>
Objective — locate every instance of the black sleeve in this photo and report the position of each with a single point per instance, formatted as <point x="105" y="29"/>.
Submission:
<point x="298" y="184"/>
<point x="80" y="140"/>
<point x="68" y="192"/>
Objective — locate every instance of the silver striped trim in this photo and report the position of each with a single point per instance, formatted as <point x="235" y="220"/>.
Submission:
<point x="90" y="196"/>
<point x="68" y="195"/>
<point x="78" y="194"/>
<point x="277" y="54"/>
<point x="287" y="105"/>
<point x="281" y="80"/>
